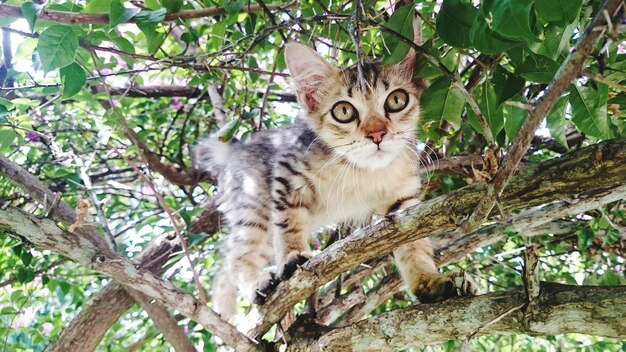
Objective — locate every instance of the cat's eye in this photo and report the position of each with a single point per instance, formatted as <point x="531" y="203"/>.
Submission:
<point x="397" y="100"/>
<point x="344" y="112"/>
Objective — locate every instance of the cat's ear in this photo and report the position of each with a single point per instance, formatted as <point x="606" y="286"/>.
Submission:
<point x="407" y="65"/>
<point x="308" y="70"/>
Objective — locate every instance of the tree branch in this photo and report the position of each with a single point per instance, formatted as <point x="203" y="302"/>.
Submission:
<point x="560" y="309"/>
<point x="102" y="18"/>
<point x="569" y="70"/>
<point x="44" y="234"/>
<point x="588" y="170"/>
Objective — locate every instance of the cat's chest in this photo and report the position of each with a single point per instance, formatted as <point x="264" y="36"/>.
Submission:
<point x="346" y="193"/>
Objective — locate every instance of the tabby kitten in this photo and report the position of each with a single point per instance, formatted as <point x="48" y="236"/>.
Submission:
<point x="352" y="155"/>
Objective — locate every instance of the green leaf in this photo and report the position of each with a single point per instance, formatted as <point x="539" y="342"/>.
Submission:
<point x="73" y="78"/>
<point x="585" y="238"/>
<point x="57" y="47"/>
<point x="537" y="68"/>
<point x="31" y="13"/>
<point x="172" y="6"/>
<point x="556" y="43"/>
<point x="442" y="101"/>
<point x="454" y="22"/>
<point x="97" y="6"/>
<point x="119" y="14"/>
<point x="512" y="19"/>
<point x="227" y="132"/>
<point x="514" y="117"/>
<point x="485" y="96"/>
<point x="558" y="11"/>
<point x="27" y="258"/>
<point x="609" y="278"/>
<point x="487" y="41"/>
<point x="124" y="44"/>
<point x="507" y="85"/>
<point x="7" y="136"/>
<point x="556" y="122"/>
<point x="233" y="6"/>
<point x="401" y="22"/>
<point x="589" y="111"/>
<point x="146" y="17"/>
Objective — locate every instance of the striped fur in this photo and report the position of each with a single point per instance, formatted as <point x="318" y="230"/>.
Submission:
<point x="283" y="184"/>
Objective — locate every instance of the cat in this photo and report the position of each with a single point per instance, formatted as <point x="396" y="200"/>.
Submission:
<point x="353" y="154"/>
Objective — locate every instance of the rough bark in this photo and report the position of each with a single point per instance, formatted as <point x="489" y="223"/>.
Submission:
<point x="102" y="18"/>
<point x="560" y="309"/>
<point x="45" y="234"/>
<point x="586" y="171"/>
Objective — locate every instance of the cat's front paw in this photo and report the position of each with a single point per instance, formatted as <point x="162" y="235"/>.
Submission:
<point x="266" y="289"/>
<point x="293" y="262"/>
<point x="436" y="288"/>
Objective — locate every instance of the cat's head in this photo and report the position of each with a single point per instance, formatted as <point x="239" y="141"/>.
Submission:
<point x="370" y="127"/>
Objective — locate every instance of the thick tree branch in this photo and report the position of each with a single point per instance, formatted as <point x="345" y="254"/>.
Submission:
<point x="101" y="18"/>
<point x="560" y="309"/>
<point x="588" y="170"/>
<point x="569" y="70"/>
<point x="44" y="234"/>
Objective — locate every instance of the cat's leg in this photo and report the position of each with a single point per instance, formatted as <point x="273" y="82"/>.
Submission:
<point x="418" y="270"/>
<point x="248" y="250"/>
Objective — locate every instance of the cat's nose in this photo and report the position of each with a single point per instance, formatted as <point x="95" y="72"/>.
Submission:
<point x="377" y="137"/>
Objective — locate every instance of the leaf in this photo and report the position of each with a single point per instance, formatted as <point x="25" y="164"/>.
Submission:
<point x="585" y="238"/>
<point x="401" y="22"/>
<point x="514" y="117"/>
<point x="227" y="132"/>
<point x="172" y="6"/>
<point x="57" y="47"/>
<point x="31" y="13"/>
<point x="442" y="100"/>
<point x="537" y="68"/>
<point x="507" y="85"/>
<point x="119" y="14"/>
<point x="511" y="18"/>
<point x="556" y="122"/>
<point x="487" y="41"/>
<point x="73" y="78"/>
<point x="589" y="112"/>
<point x="97" y="6"/>
<point x="454" y="22"/>
<point x="485" y="96"/>
<point x="556" y="42"/>
<point x="147" y="17"/>
<point x="233" y="6"/>
<point x="560" y="12"/>
<point x="7" y="136"/>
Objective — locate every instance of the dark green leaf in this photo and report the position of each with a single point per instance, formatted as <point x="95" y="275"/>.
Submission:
<point x="609" y="278"/>
<point x="57" y="47"/>
<point x="589" y="111"/>
<point x="147" y="17"/>
<point x="442" y="101"/>
<point x="507" y="85"/>
<point x="512" y="19"/>
<point x="233" y="6"/>
<point x="558" y="11"/>
<point x="454" y="22"/>
<point x="487" y="41"/>
<point x="119" y="14"/>
<point x="73" y="78"/>
<point x="172" y="5"/>
<point x="401" y="22"/>
<point x="31" y="13"/>
<point x="585" y="238"/>
<point x="556" y="42"/>
<point x="556" y="122"/>
<point x="227" y="132"/>
<point x="537" y="68"/>
<point x="27" y="258"/>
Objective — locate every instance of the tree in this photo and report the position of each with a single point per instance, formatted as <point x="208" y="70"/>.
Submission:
<point x="101" y="207"/>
